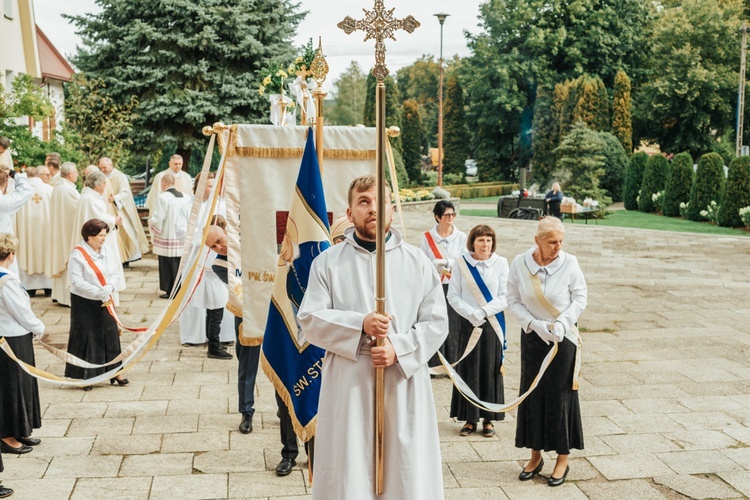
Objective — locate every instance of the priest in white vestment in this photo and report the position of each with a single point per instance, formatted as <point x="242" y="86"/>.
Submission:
<point x="165" y="241"/>
<point x="337" y="315"/>
<point x="63" y="206"/>
<point x="131" y="237"/>
<point x="53" y="163"/>
<point x="93" y="206"/>
<point x="182" y="182"/>
<point x="32" y="226"/>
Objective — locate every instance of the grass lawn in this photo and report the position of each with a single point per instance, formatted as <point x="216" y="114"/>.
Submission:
<point x="635" y="219"/>
<point x="483" y="199"/>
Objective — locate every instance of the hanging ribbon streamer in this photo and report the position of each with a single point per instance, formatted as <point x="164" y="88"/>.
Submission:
<point x="394" y="185"/>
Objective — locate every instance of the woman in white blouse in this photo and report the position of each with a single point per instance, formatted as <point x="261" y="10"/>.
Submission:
<point x="94" y="276"/>
<point x="443" y="244"/>
<point x="481" y="369"/>
<point x="20" y="411"/>
<point x="546" y="295"/>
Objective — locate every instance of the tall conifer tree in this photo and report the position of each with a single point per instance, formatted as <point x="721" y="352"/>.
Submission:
<point x="455" y="134"/>
<point x="622" y="125"/>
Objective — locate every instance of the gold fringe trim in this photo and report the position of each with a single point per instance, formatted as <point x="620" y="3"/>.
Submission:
<point x="328" y="154"/>
<point x="304" y="432"/>
<point x="247" y="341"/>
<point x="237" y="311"/>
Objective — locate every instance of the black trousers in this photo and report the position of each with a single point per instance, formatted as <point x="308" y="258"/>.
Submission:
<point x="168" y="267"/>
<point x="214" y="317"/>
<point x="289" y="449"/>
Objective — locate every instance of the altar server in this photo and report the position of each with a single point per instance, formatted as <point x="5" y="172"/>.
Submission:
<point x="19" y="392"/>
<point x="546" y="295"/>
<point x="337" y="315"/>
<point x="32" y="225"/>
<point x="182" y="182"/>
<point x="166" y="241"/>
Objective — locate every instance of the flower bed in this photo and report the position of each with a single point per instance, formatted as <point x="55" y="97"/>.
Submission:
<point x="426" y="205"/>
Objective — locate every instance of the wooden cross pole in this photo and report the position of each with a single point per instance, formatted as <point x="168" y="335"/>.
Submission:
<point x="378" y="25"/>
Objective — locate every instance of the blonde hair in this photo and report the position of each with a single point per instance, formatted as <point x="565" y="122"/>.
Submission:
<point x="364" y="183"/>
<point x="549" y="224"/>
<point x="8" y="245"/>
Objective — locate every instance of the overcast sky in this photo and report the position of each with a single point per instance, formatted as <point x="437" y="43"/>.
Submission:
<point x="340" y="49"/>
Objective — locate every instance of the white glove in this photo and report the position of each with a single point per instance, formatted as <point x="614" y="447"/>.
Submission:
<point x="559" y="331"/>
<point x="38" y="336"/>
<point x="106" y="292"/>
<point x="478" y="317"/>
<point x="541" y="328"/>
<point x="440" y="264"/>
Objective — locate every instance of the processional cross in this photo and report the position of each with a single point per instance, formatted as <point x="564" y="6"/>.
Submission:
<point x="378" y="25"/>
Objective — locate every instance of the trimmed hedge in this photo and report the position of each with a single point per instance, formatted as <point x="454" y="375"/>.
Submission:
<point x="678" y="185"/>
<point x="654" y="178"/>
<point x="615" y="165"/>
<point x="736" y="193"/>
<point x="480" y="190"/>
<point x="707" y="185"/>
<point x="633" y="179"/>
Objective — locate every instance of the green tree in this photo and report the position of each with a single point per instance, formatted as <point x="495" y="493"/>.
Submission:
<point x="24" y="98"/>
<point x="392" y="107"/>
<point x="678" y="186"/>
<point x="96" y="123"/>
<point x="654" y="179"/>
<point x="622" y="125"/>
<point x="546" y="136"/>
<point x="692" y="93"/>
<point x="419" y="81"/>
<point x="633" y="180"/>
<point x="736" y="193"/>
<point x="189" y="63"/>
<point x="707" y="185"/>
<point x="348" y="106"/>
<point x="582" y="164"/>
<point x="455" y="133"/>
<point x="615" y="165"/>
<point x="590" y="103"/>
<point x="411" y="139"/>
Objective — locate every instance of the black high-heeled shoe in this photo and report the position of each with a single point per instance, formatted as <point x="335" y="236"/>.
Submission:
<point x="557" y="481"/>
<point x="525" y="476"/>
<point x="122" y="381"/>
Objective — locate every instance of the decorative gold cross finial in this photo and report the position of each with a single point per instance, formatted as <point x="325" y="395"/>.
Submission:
<point x="378" y="25"/>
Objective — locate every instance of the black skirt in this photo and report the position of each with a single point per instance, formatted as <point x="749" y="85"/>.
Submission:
<point x="481" y="372"/>
<point x="20" y="411"/>
<point x="94" y="337"/>
<point x="450" y="347"/>
<point x="550" y="418"/>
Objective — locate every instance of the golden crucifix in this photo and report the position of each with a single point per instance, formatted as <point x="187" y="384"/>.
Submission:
<point x="378" y="25"/>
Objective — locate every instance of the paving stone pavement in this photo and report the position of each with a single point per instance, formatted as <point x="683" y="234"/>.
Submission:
<point x="664" y="392"/>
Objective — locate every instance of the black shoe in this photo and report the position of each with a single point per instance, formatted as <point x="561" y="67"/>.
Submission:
<point x="29" y="441"/>
<point x="164" y="296"/>
<point x="246" y="427"/>
<point x="525" y="476"/>
<point x="6" y="448"/>
<point x="219" y="354"/>
<point x="87" y="388"/>
<point x="47" y="293"/>
<point x="285" y="466"/>
<point x="557" y="481"/>
<point x="121" y="381"/>
<point x="5" y="492"/>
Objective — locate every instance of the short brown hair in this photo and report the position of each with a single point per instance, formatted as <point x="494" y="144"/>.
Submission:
<point x="218" y="220"/>
<point x="3" y="176"/>
<point x="8" y="245"/>
<point x="93" y="227"/>
<point x="476" y="232"/>
<point x="211" y="175"/>
<point x="53" y="160"/>
<point x="364" y="183"/>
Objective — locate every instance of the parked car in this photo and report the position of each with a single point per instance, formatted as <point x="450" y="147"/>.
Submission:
<point x="471" y="168"/>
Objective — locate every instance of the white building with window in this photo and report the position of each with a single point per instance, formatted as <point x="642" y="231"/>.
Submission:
<point x="26" y="50"/>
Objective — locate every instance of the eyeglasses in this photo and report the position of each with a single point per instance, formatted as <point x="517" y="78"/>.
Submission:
<point x="452" y="214"/>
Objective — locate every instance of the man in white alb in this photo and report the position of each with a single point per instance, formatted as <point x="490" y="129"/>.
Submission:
<point x="63" y="207"/>
<point x="32" y="227"/>
<point x="337" y="315"/>
<point x="131" y="238"/>
<point x="165" y="240"/>
<point x="182" y="182"/>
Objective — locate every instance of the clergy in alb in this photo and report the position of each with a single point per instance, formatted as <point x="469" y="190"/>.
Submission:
<point x="131" y="237"/>
<point x="32" y="227"/>
<point x="165" y="239"/>
<point x="93" y="206"/>
<point x="337" y="315"/>
<point x="63" y="205"/>
<point x="182" y="182"/>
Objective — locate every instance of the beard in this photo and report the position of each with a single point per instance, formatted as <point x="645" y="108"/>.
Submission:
<point x="369" y="232"/>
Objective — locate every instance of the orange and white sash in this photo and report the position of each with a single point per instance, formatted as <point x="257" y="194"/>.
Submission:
<point x="435" y="247"/>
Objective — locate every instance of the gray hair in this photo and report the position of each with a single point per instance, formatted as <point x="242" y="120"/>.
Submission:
<point x="67" y="168"/>
<point x="31" y="172"/>
<point x="95" y="179"/>
<point x="547" y="225"/>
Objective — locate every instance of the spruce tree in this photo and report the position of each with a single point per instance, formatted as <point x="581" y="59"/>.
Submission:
<point x="622" y="125"/>
<point x="615" y="165"/>
<point x="707" y="186"/>
<point x="633" y="180"/>
<point x="736" y="193"/>
<point x="582" y="163"/>
<point x="654" y="179"/>
<point x="455" y="134"/>
<point x="545" y="135"/>
<point x="411" y="138"/>
<point x="188" y="63"/>
<point x="678" y="186"/>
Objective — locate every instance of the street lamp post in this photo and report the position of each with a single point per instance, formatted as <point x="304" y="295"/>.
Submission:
<point x="441" y="18"/>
